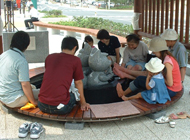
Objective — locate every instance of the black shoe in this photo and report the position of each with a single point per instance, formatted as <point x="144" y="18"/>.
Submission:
<point x="27" y="28"/>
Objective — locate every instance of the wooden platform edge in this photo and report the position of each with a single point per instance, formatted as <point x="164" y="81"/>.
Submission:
<point x="77" y="115"/>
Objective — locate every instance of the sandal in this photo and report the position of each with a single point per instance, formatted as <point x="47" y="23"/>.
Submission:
<point x="173" y="116"/>
<point x="162" y="119"/>
<point x="183" y="114"/>
<point x="172" y="124"/>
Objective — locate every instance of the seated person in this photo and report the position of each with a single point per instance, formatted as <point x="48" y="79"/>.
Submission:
<point x="34" y="17"/>
<point x="15" y="88"/>
<point x="60" y="70"/>
<point x="109" y="44"/>
<point x="177" y="49"/>
<point x="155" y="84"/>
<point x="88" y="39"/>
<point x="171" y="75"/>
<point x="135" y="54"/>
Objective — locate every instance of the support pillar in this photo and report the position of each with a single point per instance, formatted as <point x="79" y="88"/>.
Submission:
<point x="1" y="32"/>
<point x="138" y="9"/>
<point x="1" y="45"/>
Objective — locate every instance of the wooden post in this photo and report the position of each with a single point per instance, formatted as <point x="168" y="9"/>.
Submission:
<point x="138" y="9"/>
<point x="1" y="43"/>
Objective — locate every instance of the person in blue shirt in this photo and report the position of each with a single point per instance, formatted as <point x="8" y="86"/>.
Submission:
<point x="109" y="44"/>
<point x="155" y="84"/>
<point x="15" y="88"/>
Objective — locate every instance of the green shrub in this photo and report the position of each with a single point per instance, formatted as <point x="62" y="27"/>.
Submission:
<point x="98" y="23"/>
<point x="43" y="11"/>
<point x="126" y="7"/>
<point x="53" y="13"/>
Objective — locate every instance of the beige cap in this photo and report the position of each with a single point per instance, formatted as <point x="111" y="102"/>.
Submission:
<point x="158" y="44"/>
<point x="169" y="34"/>
<point x="154" y="65"/>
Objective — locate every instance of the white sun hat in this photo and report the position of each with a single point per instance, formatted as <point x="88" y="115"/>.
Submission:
<point x="169" y="34"/>
<point x="154" y="65"/>
<point x="158" y="44"/>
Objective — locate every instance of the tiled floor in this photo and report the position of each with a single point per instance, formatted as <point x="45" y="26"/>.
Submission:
<point x="141" y="128"/>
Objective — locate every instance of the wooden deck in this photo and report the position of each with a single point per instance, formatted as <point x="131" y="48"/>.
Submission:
<point x="79" y="116"/>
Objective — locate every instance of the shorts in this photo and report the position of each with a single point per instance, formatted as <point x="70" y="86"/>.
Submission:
<point x="133" y="63"/>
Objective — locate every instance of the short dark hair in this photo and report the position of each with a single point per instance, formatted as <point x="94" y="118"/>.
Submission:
<point x="133" y="37"/>
<point x="31" y="5"/>
<point x="20" y="40"/>
<point x="87" y="39"/>
<point x="103" y="34"/>
<point x="69" y="43"/>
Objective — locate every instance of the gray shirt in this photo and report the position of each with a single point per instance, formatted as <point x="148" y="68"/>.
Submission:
<point x="13" y="70"/>
<point x="138" y="55"/>
<point x="180" y="53"/>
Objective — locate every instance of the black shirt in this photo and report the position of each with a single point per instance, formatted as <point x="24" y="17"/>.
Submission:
<point x="110" y="48"/>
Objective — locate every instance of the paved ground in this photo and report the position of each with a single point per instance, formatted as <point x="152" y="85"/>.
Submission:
<point x="140" y="128"/>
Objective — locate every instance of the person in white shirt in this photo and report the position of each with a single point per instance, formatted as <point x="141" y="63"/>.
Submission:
<point x="34" y="17"/>
<point x="29" y="2"/>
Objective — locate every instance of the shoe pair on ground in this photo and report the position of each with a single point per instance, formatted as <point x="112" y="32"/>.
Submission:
<point x="165" y="119"/>
<point x="35" y="130"/>
<point x="180" y="115"/>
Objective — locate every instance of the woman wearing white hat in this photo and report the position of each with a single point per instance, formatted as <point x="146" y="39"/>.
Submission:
<point x="177" y="49"/>
<point x="172" y="76"/>
<point x="154" y="94"/>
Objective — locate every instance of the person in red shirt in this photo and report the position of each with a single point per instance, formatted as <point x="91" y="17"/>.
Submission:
<point x="60" y="70"/>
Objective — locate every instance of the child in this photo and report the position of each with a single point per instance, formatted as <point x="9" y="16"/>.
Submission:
<point x="156" y="89"/>
<point x="88" y="39"/>
<point x="135" y="54"/>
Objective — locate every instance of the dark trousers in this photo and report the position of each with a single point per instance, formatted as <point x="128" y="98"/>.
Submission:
<point x="30" y="21"/>
<point x="140" y="82"/>
<point x="53" y="109"/>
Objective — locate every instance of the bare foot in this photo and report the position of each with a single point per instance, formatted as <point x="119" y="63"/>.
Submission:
<point x="119" y="89"/>
<point x="117" y="66"/>
<point x="118" y="72"/>
<point x="124" y="98"/>
<point x="122" y="74"/>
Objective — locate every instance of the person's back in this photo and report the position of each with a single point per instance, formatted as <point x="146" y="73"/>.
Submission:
<point x="15" y="88"/>
<point x="10" y="87"/>
<point x="157" y="94"/>
<point x="177" y="86"/>
<point x="33" y="12"/>
<point x="61" y="68"/>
